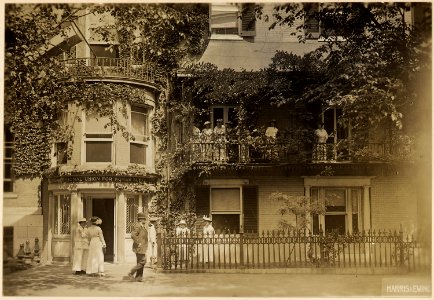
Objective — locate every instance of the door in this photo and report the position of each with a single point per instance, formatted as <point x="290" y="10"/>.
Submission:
<point x="104" y="209"/>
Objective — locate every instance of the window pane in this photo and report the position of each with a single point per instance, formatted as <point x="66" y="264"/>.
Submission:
<point x="8" y="186"/>
<point x="98" y="151"/>
<point x="225" y="199"/>
<point x="137" y="153"/>
<point x="335" y="223"/>
<point x="138" y="123"/>
<point x="335" y="200"/>
<point x="61" y="153"/>
<point x="355" y="196"/>
<point x="7" y="171"/>
<point x="62" y="214"/>
<point x="226" y="223"/>
<point x="218" y="113"/>
<point x="95" y="123"/>
<point x="132" y="210"/>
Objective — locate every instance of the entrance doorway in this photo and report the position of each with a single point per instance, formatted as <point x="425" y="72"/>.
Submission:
<point x="104" y="209"/>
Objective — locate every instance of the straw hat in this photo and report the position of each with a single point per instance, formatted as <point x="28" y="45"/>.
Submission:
<point x="82" y="220"/>
<point x="207" y="123"/>
<point x="182" y="222"/>
<point x="207" y="219"/>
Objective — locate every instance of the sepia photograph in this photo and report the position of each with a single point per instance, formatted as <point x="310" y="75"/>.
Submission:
<point x="216" y="149"/>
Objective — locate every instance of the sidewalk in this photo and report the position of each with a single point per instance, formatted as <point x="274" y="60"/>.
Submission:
<point x="56" y="281"/>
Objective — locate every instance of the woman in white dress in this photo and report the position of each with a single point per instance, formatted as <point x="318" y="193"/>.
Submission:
<point x="320" y="151"/>
<point x="208" y="233"/>
<point x="97" y="245"/>
<point x="207" y="139"/>
<point x="182" y="232"/>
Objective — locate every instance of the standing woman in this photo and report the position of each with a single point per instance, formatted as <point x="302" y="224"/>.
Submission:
<point x="81" y="246"/>
<point x="97" y="245"/>
<point x="208" y="234"/>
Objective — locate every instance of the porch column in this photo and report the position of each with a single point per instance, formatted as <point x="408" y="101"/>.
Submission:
<point x="121" y="227"/>
<point x="366" y="209"/>
<point x="75" y="214"/>
<point x="50" y="226"/>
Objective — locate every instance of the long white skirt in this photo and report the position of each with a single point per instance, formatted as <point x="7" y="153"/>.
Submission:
<point x="80" y="259"/>
<point x="95" y="259"/>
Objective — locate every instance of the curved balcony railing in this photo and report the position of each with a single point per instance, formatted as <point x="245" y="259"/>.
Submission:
<point x="109" y="67"/>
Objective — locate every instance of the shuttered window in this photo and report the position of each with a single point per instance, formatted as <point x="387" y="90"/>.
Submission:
<point x="224" y="214"/>
<point x="250" y="209"/>
<point x="202" y="200"/>
<point x="248" y="19"/>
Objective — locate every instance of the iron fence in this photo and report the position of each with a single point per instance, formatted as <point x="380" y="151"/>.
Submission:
<point x="289" y="249"/>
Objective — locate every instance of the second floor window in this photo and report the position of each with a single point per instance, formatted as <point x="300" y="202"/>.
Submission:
<point x="140" y="132"/>
<point x="98" y="139"/>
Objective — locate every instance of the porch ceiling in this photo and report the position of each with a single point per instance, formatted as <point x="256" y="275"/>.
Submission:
<point x="242" y="55"/>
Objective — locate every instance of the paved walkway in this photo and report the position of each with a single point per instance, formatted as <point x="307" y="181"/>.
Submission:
<point x="55" y="281"/>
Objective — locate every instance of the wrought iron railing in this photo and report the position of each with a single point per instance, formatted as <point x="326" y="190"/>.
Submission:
<point x="109" y="67"/>
<point x="277" y="152"/>
<point x="288" y="249"/>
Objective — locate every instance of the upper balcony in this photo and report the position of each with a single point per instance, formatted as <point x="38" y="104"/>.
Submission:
<point x="276" y="152"/>
<point x="110" y="69"/>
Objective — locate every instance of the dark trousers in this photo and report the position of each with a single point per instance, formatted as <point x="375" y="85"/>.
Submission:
<point x="138" y="269"/>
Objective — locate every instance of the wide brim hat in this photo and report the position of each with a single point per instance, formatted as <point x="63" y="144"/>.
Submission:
<point x="93" y="220"/>
<point x="141" y="216"/>
<point x="207" y="219"/>
<point x="207" y="123"/>
<point x="182" y="222"/>
<point x="81" y="220"/>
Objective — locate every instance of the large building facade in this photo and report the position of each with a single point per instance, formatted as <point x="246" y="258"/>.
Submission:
<point x="102" y="173"/>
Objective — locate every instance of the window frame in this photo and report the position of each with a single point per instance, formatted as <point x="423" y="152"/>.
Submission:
<point x="141" y="202"/>
<point x="143" y="139"/>
<point x="348" y="213"/>
<point x="317" y="35"/>
<point x="228" y="212"/>
<point x="57" y="214"/>
<point x="96" y="139"/>
<point x="226" y="118"/>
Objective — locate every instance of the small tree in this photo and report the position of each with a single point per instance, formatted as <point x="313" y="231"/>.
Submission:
<point x="300" y="206"/>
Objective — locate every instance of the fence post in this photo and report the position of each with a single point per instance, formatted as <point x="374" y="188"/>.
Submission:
<point x="159" y="243"/>
<point x="401" y="246"/>
<point x="241" y="247"/>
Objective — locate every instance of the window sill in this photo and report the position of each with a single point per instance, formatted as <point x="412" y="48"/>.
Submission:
<point x="228" y="37"/>
<point x="10" y="195"/>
